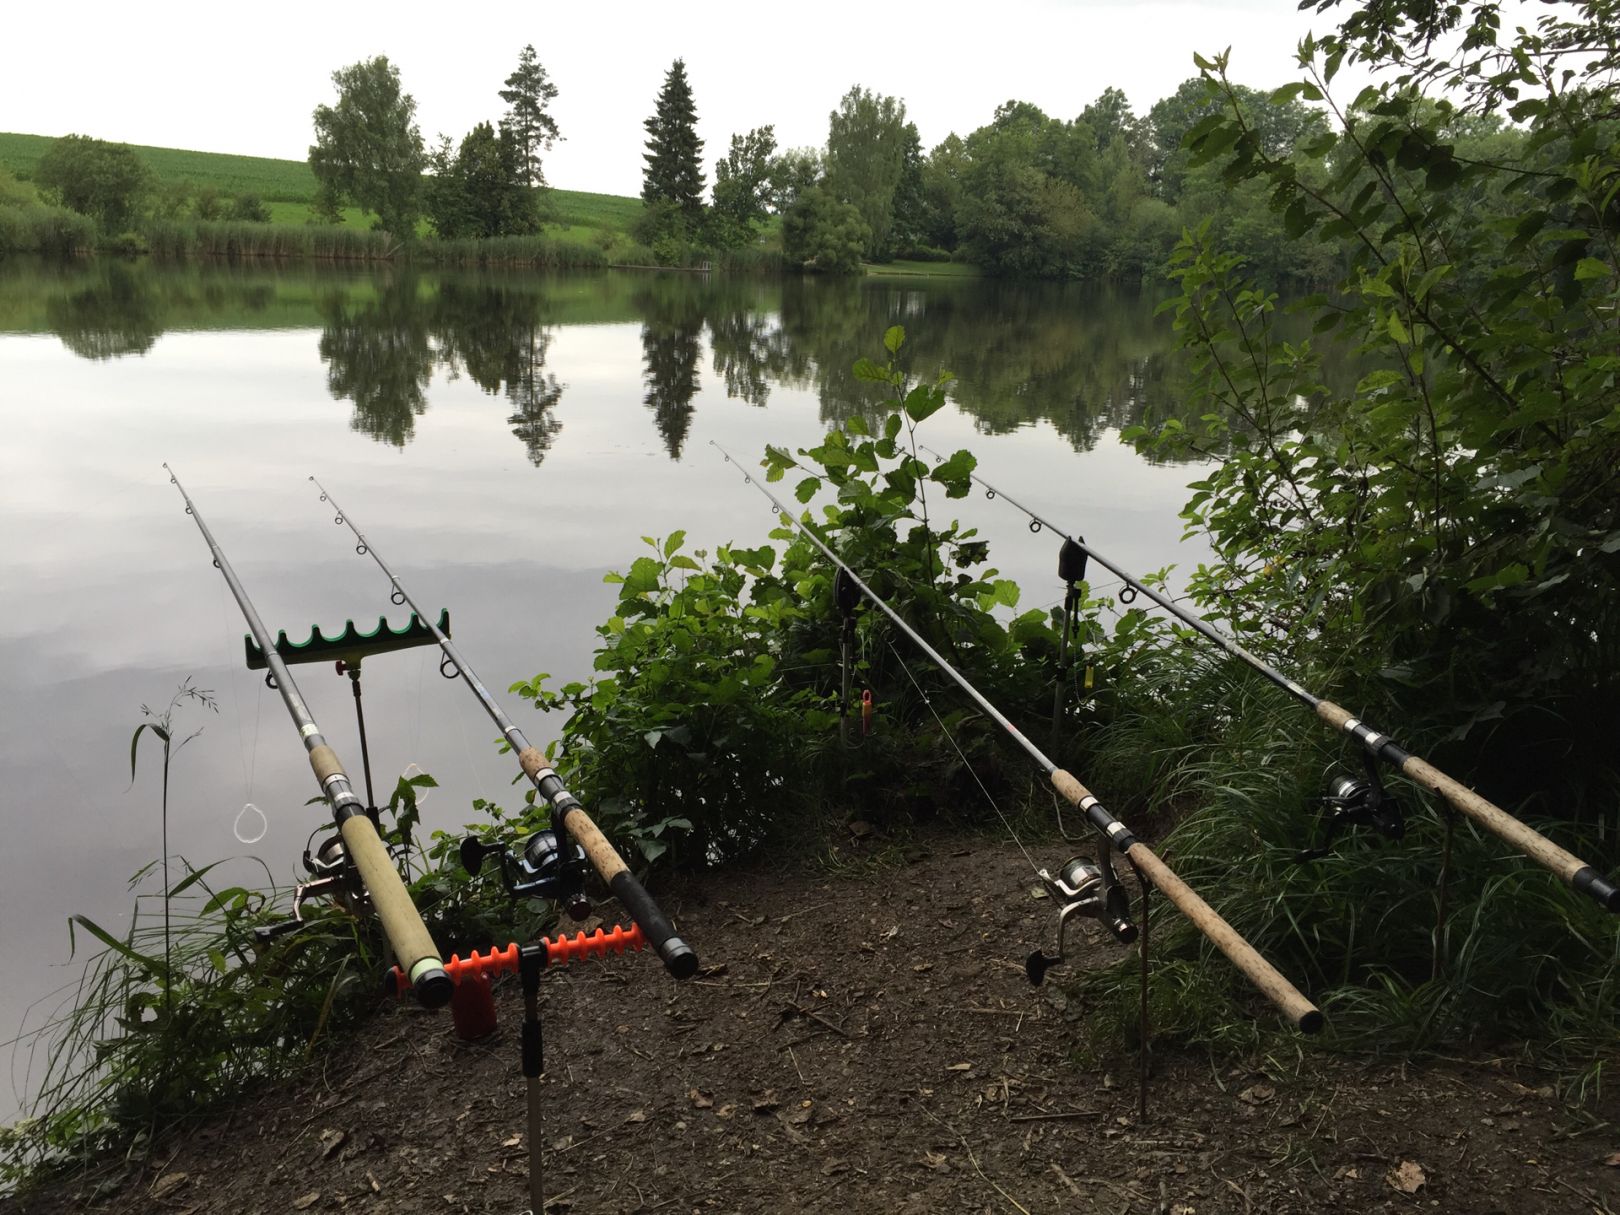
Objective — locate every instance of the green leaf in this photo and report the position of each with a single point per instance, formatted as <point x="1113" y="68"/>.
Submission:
<point x="866" y="369"/>
<point x="134" y="739"/>
<point x="807" y="488"/>
<point x="1589" y="268"/>
<point x="642" y="579"/>
<point x="673" y="543"/>
<point x="893" y="338"/>
<point x="924" y="402"/>
<point x="151" y="964"/>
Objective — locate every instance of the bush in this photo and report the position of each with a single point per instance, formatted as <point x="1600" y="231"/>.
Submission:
<point x="713" y="721"/>
<point x="126" y="244"/>
<point x="105" y="181"/>
<point x="249" y="209"/>
<point x="52" y="231"/>
<point x="822" y="234"/>
<point x="923" y="253"/>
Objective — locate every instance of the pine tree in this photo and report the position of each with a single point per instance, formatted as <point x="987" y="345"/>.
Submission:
<point x="528" y="93"/>
<point x="674" y="168"/>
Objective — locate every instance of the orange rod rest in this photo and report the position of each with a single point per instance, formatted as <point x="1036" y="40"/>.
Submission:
<point x="558" y="949"/>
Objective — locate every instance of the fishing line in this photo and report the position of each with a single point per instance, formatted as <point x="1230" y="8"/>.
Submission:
<point x="567" y="813"/>
<point x="1376" y="746"/>
<point x="365" y="863"/>
<point x="1079" y="885"/>
<point x="966" y="763"/>
<point x="247" y="754"/>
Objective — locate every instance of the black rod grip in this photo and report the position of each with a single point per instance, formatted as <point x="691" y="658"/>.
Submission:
<point x="1590" y="882"/>
<point x="680" y="959"/>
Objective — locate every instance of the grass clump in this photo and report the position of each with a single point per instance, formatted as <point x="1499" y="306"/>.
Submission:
<point x="1240" y="769"/>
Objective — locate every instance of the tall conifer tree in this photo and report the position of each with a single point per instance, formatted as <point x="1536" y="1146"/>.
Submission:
<point x="674" y="166"/>
<point x="528" y="94"/>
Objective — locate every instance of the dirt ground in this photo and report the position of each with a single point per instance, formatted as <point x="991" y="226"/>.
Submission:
<point x="860" y="1043"/>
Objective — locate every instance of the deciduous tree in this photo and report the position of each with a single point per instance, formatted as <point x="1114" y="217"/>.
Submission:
<point x="479" y="192"/>
<point x="368" y="149"/>
<point x="866" y="149"/>
<point x="792" y="173"/>
<point x="742" y="185"/>
<point x="105" y="181"/>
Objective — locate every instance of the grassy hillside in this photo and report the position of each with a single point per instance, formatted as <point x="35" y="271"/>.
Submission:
<point x="289" y="187"/>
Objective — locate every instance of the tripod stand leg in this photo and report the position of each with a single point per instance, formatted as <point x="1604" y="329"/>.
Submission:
<point x="531" y="961"/>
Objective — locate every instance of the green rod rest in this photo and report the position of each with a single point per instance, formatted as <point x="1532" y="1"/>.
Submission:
<point x="351" y="645"/>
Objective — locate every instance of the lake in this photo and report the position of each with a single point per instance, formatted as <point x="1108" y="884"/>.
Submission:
<point x="505" y="439"/>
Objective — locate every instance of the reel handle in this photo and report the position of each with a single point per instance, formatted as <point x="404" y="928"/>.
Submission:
<point x="1036" y="966"/>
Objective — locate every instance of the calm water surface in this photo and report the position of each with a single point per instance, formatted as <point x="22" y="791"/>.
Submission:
<point x="505" y="440"/>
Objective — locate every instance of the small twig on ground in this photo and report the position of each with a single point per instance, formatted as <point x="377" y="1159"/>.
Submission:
<point x="974" y="1160"/>
<point x="1054" y="1117"/>
<point x="797" y="1068"/>
<point x="1599" y="1207"/>
<point x="1066" y="1180"/>
<point x="819" y="1019"/>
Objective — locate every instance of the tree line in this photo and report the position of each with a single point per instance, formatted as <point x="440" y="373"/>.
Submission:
<point x="1105" y="194"/>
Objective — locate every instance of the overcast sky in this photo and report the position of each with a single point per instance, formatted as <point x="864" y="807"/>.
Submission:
<point x="244" y="78"/>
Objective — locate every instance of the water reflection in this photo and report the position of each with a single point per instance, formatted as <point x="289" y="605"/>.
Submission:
<point x="1086" y="360"/>
<point x="499" y="336"/>
<point x="671" y="345"/>
<point x="112" y="317"/>
<point x="378" y="355"/>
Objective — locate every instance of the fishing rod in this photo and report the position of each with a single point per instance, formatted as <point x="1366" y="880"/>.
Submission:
<point x="407" y="936"/>
<point x="1352" y="800"/>
<point x="1300" y="1011"/>
<point x="538" y="868"/>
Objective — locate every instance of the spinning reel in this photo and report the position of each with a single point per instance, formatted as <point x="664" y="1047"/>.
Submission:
<point x="550" y="866"/>
<point x="331" y="877"/>
<point x="1085" y="889"/>
<point x="1357" y="802"/>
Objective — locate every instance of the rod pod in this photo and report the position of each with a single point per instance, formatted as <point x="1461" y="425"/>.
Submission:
<point x="407" y="936"/>
<point x="680" y="959"/>
<point x="1288" y="999"/>
<point x="1569" y="868"/>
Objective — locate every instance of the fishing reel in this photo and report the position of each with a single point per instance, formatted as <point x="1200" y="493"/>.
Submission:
<point x="550" y="866"/>
<point x="1355" y="801"/>
<point x="1091" y="890"/>
<point x="332" y="877"/>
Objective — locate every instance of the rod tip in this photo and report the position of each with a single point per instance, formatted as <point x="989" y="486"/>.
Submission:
<point x="1312" y="1022"/>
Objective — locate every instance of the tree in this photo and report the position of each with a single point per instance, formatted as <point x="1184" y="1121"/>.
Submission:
<point x="792" y="173"/>
<point x="368" y="149"/>
<point x="674" y="172"/>
<point x="105" y="181"/>
<point x="942" y="191"/>
<point x="866" y="150"/>
<point x="822" y="233"/>
<point x="528" y="93"/>
<point x="1457" y="507"/>
<point x="910" y="207"/>
<point x="742" y="185"/>
<point x="480" y="191"/>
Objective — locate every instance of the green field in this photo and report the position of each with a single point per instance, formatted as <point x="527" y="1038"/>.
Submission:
<point x="924" y="269"/>
<point x="288" y="186"/>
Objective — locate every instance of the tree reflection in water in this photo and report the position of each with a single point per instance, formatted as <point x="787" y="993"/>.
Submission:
<point x="1085" y="360"/>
